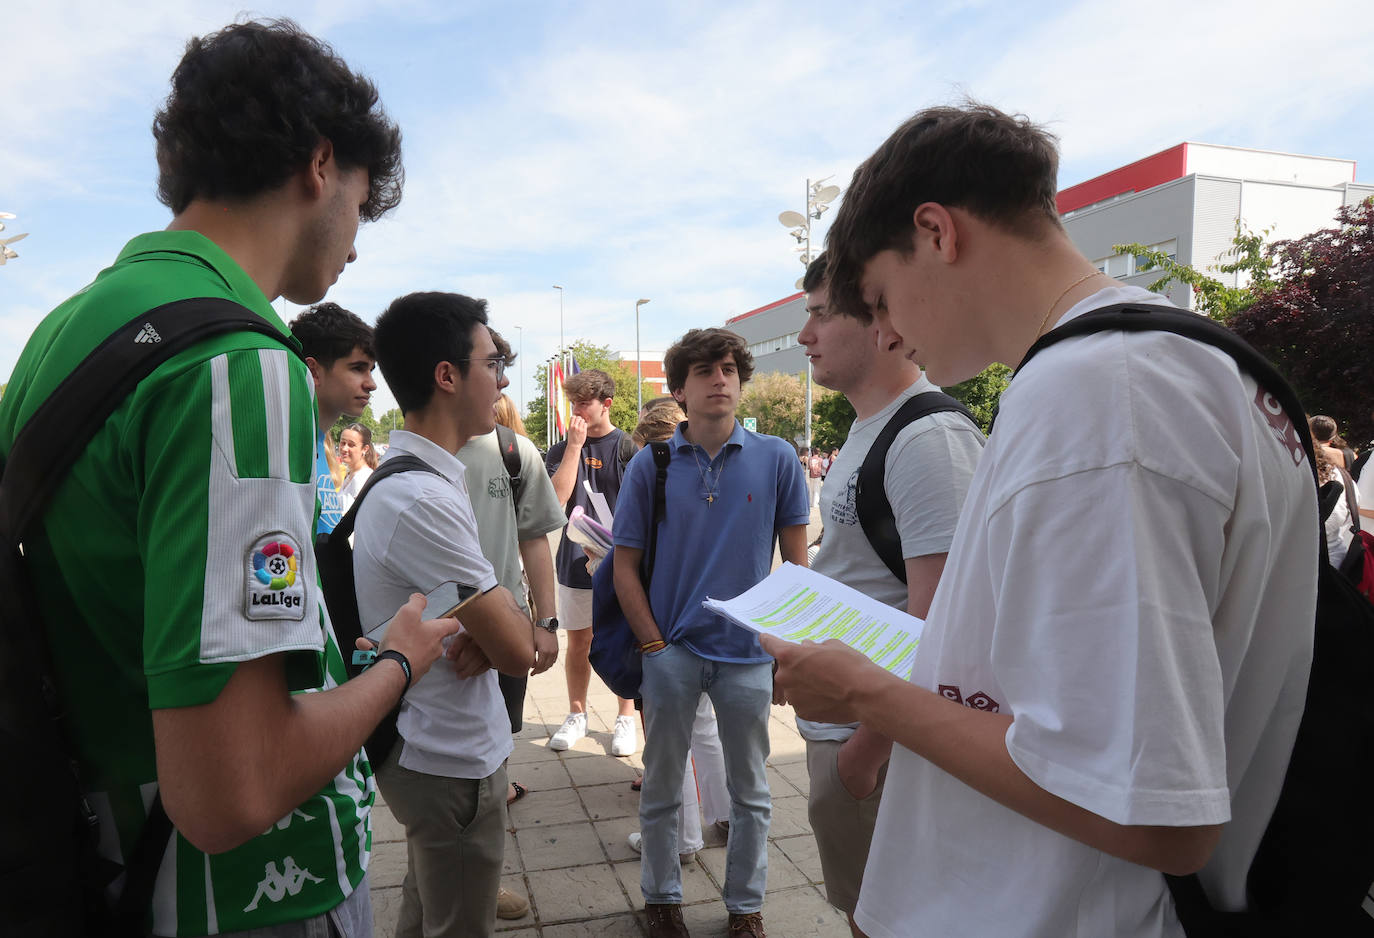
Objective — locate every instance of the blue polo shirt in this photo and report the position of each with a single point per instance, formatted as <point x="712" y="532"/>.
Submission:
<point x="714" y="549"/>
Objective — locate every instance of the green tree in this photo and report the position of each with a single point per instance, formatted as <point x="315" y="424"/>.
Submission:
<point x="1315" y="319"/>
<point x="391" y="420"/>
<point x="981" y="393"/>
<point x="624" y="408"/>
<point x="366" y="419"/>
<point x="1248" y="254"/>
<point x="831" y="417"/>
<point x="775" y="401"/>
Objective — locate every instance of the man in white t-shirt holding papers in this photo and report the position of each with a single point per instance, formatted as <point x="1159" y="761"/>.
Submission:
<point x="1115" y="662"/>
<point x="926" y="474"/>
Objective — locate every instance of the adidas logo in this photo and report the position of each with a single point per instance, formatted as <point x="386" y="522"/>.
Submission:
<point x="147" y="334"/>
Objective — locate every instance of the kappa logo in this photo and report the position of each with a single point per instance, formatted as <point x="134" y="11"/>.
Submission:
<point x="274" y="588"/>
<point x="276" y="886"/>
<point x="147" y="334"/>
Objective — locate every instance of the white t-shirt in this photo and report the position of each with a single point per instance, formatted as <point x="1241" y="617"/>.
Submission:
<point x="353" y="484"/>
<point x="1134" y="580"/>
<point x="414" y="532"/>
<point x="926" y="475"/>
<point x="1338" y="530"/>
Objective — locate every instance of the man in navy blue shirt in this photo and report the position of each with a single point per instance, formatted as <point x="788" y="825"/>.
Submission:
<point x="730" y="493"/>
<point x="591" y="459"/>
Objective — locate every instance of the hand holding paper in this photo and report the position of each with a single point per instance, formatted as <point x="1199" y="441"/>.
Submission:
<point x="795" y="604"/>
<point x="820" y="681"/>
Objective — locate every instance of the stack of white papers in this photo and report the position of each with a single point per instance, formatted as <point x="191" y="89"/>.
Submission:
<point x="796" y="604"/>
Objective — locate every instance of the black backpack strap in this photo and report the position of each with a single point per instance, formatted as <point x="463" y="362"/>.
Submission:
<point x="55" y="436"/>
<point x="510" y="458"/>
<point x="627" y="449"/>
<point x="401" y="462"/>
<point x="870" y="497"/>
<point x="1134" y="317"/>
<point x="663" y="454"/>
<point x="335" y="557"/>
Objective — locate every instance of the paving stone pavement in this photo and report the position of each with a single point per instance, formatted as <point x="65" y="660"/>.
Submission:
<point x="566" y="846"/>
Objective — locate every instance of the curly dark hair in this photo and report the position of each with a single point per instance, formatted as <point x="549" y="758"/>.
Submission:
<point x="706" y="345"/>
<point x="248" y="106"/>
<point x="327" y="332"/>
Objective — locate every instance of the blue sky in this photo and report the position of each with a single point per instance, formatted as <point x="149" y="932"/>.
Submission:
<point x="628" y="150"/>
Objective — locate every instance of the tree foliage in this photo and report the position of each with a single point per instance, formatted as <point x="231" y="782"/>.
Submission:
<point x="1248" y="254"/>
<point x="624" y="409"/>
<point x="831" y="417"/>
<point x="381" y="429"/>
<point x="775" y="401"/>
<point x="981" y="393"/>
<point x="1315" y="319"/>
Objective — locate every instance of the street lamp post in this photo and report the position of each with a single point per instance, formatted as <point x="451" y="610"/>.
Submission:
<point x="639" y="364"/>
<point x="818" y="199"/>
<point x="560" y="316"/>
<point x="520" y="354"/>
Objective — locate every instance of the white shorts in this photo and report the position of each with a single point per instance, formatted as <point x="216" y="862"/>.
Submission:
<point x="574" y="608"/>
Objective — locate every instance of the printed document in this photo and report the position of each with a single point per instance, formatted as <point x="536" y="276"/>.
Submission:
<point x="796" y="604"/>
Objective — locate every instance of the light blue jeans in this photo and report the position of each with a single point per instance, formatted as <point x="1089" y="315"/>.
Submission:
<point x="674" y="680"/>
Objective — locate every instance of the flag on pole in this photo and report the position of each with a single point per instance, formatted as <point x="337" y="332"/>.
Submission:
<point x="560" y="399"/>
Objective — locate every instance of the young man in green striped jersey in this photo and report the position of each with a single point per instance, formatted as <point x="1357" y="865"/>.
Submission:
<point x="178" y="671"/>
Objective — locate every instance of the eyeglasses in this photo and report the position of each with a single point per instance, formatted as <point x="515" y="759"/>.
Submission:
<point x="497" y="365"/>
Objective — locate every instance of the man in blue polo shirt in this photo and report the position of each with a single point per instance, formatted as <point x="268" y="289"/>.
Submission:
<point x="730" y="493"/>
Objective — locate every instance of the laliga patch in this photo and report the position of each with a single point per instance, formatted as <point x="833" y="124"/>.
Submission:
<point x="274" y="587"/>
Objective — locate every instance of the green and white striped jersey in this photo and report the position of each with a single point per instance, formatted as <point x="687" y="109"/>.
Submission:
<point x="179" y="546"/>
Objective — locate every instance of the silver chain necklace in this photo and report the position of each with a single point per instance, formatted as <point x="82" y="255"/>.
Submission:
<point x="710" y="489"/>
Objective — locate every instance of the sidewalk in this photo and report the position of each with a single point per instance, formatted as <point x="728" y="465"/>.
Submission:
<point x="566" y="849"/>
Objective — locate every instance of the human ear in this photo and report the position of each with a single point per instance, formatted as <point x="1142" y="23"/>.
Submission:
<point x="936" y="231"/>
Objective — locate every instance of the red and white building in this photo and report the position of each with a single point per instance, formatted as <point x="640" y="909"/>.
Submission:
<point x="1184" y="201"/>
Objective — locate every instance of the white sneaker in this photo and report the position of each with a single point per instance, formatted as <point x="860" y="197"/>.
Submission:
<point x="636" y="843"/>
<point x="624" y="742"/>
<point x="573" y="729"/>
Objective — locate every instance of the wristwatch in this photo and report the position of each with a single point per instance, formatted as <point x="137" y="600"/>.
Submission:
<point x="549" y="624"/>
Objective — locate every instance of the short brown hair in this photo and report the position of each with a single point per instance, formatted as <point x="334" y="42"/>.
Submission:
<point x="1323" y="428"/>
<point x="1000" y="167"/>
<point x="706" y="345"/>
<point x="590" y="385"/>
<point x="502" y="346"/>
<point x="660" y="419"/>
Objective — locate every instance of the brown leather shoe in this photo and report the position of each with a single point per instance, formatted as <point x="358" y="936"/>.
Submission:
<point x="665" y="920"/>
<point x="746" y="925"/>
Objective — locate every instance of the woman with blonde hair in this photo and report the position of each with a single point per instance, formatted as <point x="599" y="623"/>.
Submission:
<point x="508" y="416"/>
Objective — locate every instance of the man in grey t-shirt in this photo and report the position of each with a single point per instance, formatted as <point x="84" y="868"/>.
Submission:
<point x="926" y="475"/>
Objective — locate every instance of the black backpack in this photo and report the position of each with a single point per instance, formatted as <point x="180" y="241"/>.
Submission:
<point x="870" y="496"/>
<point x="1313" y="871"/>
<point x="510" y="458"/>
<point x="334" y="555"/>
<point x="52" y="882"/>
